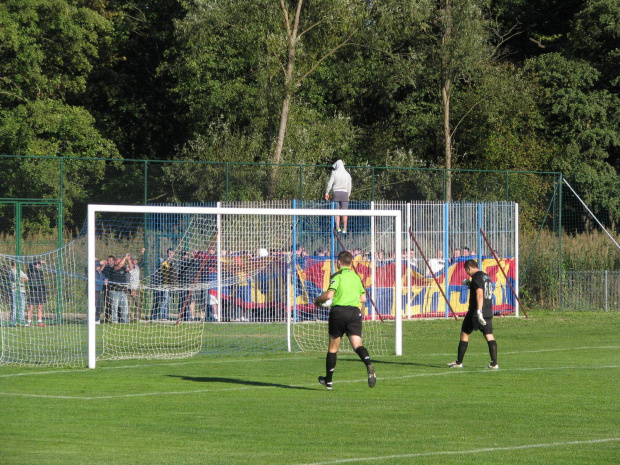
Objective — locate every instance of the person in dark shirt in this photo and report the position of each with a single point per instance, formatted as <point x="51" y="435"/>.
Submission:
<point x="108" y="273"/>
<point x="479" y="314"/>
<point x="37" y="291"/>
<point x="163" y="281"/>
<point x="119" y="278"/>
<point x="188" y="278"/>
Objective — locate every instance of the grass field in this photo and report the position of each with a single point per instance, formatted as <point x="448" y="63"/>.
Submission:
<point x="555" y="400"/>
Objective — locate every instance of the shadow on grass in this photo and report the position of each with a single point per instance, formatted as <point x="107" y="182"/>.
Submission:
<point x="209" y="379"/>
<point x="384" y="362"/>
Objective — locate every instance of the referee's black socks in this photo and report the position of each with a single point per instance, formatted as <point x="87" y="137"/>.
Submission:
<point x="363" y="354"/>
<point x="330" y="365"/>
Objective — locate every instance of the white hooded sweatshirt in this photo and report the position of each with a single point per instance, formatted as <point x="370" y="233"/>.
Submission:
<point x="340" y="179"/>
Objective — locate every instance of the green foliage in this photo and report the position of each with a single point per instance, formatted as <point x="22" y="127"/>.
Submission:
<point x="596" y="38"/>
<point x="51" y="128"/>
<point x="47" y="48"/>
<point x="534" y="87"/>
<point x="129" y="89"/>
<point x="225" y="68"/>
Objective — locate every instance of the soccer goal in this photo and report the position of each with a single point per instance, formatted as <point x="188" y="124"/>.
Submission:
<point x="171" y="281"/>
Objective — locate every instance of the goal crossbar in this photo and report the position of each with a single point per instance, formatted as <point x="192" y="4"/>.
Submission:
<point x="93" y="209"/>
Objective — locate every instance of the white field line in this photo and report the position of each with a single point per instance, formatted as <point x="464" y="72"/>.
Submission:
<point x="381" y="459"/>
<point x="280" y="360"/>
<point x="539" y="351"/>
<point x="447" y="372"/>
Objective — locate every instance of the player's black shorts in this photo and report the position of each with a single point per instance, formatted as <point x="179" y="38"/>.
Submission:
<point x="345" y="320"/>
<point x="471" y="324"/>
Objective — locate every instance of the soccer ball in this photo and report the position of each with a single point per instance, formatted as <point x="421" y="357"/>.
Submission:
<point x="327" y="303"/>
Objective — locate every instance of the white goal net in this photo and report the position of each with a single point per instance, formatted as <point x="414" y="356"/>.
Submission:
<point x="170" y="282"/>
<point x="43" y="307"/>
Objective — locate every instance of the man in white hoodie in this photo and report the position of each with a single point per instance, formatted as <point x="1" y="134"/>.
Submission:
<point x="340" y="184"/>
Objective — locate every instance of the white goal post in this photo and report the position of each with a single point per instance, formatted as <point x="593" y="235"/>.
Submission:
<point x="250" y="246"/>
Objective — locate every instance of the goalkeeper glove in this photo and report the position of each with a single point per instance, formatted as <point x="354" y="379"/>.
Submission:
<point x="480" y="318"/>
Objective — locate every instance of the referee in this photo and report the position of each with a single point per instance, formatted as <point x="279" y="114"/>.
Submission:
<point x="345" y="317"/>
<point x="479" y="314"/>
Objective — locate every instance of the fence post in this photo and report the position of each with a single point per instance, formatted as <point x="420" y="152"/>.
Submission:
<point x="18" y="228"/>
<point x="146" y="182"/>
<point x="446" y="256"/>
<point x="606" y="292"/>
<point x="227" y="181"/>
<point x="560" y="243"/>
<point x="444" y="190"/>
<point x="372" y="187"/>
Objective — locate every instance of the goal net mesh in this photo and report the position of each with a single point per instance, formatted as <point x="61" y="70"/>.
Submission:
<point x="172" y="285"/>
<point x="43" y="307"/>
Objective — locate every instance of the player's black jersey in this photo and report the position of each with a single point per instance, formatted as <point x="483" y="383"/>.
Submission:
<point x="481" y="280"/>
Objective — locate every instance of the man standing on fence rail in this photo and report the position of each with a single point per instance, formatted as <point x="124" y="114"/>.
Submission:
<point x="479" y="314"/>
<point x="340" y="183"/>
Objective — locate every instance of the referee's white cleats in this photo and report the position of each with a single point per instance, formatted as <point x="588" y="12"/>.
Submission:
<point x="372" y="377"/>
<point x="323" y="381"/>
<point x="455" y="365"/>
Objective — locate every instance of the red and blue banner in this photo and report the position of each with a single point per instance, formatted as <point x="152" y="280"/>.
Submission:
<point x="261" y="283"/>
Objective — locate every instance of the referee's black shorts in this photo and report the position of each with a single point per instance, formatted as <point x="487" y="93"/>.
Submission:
<point x="471" y="324"/>
<point x="345" y="320"/>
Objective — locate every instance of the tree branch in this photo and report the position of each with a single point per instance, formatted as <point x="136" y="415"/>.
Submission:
<point x="327" y="55"/>
<point x="286" y="20"/>
<point x="465" y="115"/>
<point x="537" y="42"/>
<point x="310" y="28"/>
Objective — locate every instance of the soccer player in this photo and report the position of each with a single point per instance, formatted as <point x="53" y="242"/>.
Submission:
<point x="479" y="314"/>
<point x="347" y="293"/>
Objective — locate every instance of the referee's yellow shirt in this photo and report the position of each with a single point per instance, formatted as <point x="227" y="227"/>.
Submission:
<point x="347" y="287"/>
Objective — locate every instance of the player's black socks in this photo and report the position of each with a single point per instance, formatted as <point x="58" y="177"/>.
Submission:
<point x="462" y="349"/>
<point x="363" y="354"/>
<point x="493" y="351"/>
<point x="330" y="365"/>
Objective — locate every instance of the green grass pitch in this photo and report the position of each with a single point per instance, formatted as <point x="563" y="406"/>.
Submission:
<point x="555" y="400"/>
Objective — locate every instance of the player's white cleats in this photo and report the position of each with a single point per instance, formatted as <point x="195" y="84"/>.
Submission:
<point x="492" y="367"/>
<point x="455" y="365"/>
<point x="480" y="318"/>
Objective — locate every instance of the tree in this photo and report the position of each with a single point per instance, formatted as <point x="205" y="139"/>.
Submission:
<point x="49" y="128"/>
<point x="128" y="89"/>
<point x="245" y="62"/>
<point x="332" y="25"/>
<point x="47" y="49"/>
<point x="464" y="53"/>
<point x="581" y="117"/>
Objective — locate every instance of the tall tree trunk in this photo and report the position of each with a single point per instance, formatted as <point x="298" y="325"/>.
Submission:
<point x="276" y="158"/>
<point x="445" y="97"/>
<point x="446" y="84"/>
